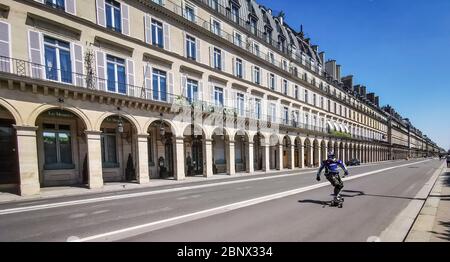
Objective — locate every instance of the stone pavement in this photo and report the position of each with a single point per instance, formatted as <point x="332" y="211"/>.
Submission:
<point x="433" y="222"/>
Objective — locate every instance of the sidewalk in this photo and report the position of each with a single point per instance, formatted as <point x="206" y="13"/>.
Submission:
<point x="62" y="191"/>
<point x="433" y="221"/>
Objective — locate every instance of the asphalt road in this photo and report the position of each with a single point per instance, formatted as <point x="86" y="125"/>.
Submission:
<point x="207" y="211"/>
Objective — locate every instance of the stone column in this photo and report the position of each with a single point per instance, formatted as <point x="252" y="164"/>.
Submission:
<point x="179" y="161"/>
<point x="249" y="157"/>
<point x="230" y="155"/>
<point x="266" y="156"/>
<point x="208" y="158"/>
<point x="93" y="141"/>
<point x="280" y="162"/>
<point x="301" y="156"/>
<point x="143" y="176"/>
<point x="292" y="156"/>
<point x="319" y="154"/>
<point x="28" y="160"/>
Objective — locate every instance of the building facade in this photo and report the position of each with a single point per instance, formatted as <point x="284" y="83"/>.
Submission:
<point x="120" y="90"/>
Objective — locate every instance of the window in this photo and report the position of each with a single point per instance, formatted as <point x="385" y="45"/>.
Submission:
<point x="217" y="59"/>
<point x="256" y="49"/>
<point x="238" y="39"/>
<point x="239" y="68"/>
<point x="335" y="107"/>
<point x="116" y="74"/>
<point x="272" y="58"/>
<point x="306" y="96"/>
<point x="216" y="27"/>
<point x="189" y="12"/>
<point x="285" y="86"/>
<point x="285" y="65"/>
<point x="296" y="92"/>
<point x="159" y="2"/>
<point x="285" y="115"/>
<point x="192" y="90"/>
<point x="273" y="113"/>
<point x="113" y="16"/>
<point x="109" y="147"/>
<point x="57" y="146"/>
<point x="159" y="85"/>
<point x="258" y="108"/>
<point x="321" y="102"/>
<point x="272" y="81"/>
<point x="269" y="36"/>
<point x="191" y="47"/>
<point x="240" y="104"/>
<point x="215" y="4"/>
<point x="295" y="116"/>
<point x="218" y="96"/>
<point x="329" y="105"/>
<point x="253" y="26"/>
<point x="58" y="4"/>
<point x="58" y="65"/>
<point x="157" y="34"/>
<point x="150" y="150"/>
<point x="257" y="75"/>
<point x="234" y="12"/>
<point x="314" y="100"/>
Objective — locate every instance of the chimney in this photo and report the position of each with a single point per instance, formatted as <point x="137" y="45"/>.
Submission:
<point x="377" y="101"/>
<point x="338" y="73"/>
<point x="371" y="97"/>
<point x="357" y="89"/>
<point x="348" y="81"/>
<point x="363" y="91"/>
<point x="322" y="56"/>
<point x="330" y="68"/>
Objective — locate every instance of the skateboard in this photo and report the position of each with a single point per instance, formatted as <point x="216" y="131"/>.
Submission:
<point x="338" y="204"/>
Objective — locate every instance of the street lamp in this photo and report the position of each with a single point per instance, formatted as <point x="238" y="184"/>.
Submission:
<point x="120" y="125"/>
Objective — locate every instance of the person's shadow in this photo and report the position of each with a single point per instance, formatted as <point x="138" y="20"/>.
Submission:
<point x="327" y="202"/>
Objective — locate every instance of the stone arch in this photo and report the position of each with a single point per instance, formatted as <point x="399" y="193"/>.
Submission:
<point x="123" y="114"/>
<point x="46" y="107"/>
<point x="169" y="123"/>
<point x="13" y="111"/>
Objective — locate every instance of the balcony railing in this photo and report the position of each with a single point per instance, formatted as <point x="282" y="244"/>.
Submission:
<point x="30" y="70"/>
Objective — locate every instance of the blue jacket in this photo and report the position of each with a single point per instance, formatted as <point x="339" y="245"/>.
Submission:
<point x="331" y="166"/>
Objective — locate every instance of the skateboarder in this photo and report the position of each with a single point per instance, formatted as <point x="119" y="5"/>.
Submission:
<point x="332" y="174"/>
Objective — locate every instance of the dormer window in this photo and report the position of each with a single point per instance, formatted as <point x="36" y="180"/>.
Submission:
<point x="234" y="10"/>
<point x="268" y="35"/>
<point x="253" y="25"/>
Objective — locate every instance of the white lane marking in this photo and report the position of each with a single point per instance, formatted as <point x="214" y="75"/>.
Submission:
<point x="125" y="196"/>
<point x="139" y="229"/>
<point x="79" y="215"/>
<point x="100" y="212"/>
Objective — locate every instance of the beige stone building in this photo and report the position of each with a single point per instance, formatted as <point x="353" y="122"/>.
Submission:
<point x="118" y="90"/>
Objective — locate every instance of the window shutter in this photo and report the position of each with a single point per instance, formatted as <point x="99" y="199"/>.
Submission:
<point x="125" y="19"/>
<point x="197" y="45"/>
<point x="167" y="36"/>
<point x="275" y="82"/>
<point x="253" y="73"/>
<point x="101" y="71"/>
<point x="171" y="85"/>
<point x="5" y="47"/>
<point x="200" y="91"/>
<point x="35" y="52"/>
<point x="101" y="19"/>
<point x="148" y="29"/>
<point x="185" y="52"/>
<point x="223" y="60"/>
<point x="132" y="90"/>
<point x="184" y="85"/>
<point x="211" y="56"/>
<point x="71" y="6"/>
<point x="78" y="62"/>
<point x="233" y="65"/>
<point x="211" y="93"/>
<point x="244" y="76"/>
<point x="148" y="81"/>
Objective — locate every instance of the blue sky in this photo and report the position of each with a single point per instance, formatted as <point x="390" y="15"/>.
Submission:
<point x="399" y="49"/>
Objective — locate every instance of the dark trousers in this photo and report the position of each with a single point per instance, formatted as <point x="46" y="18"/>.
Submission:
<point x="335" y="181"/>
